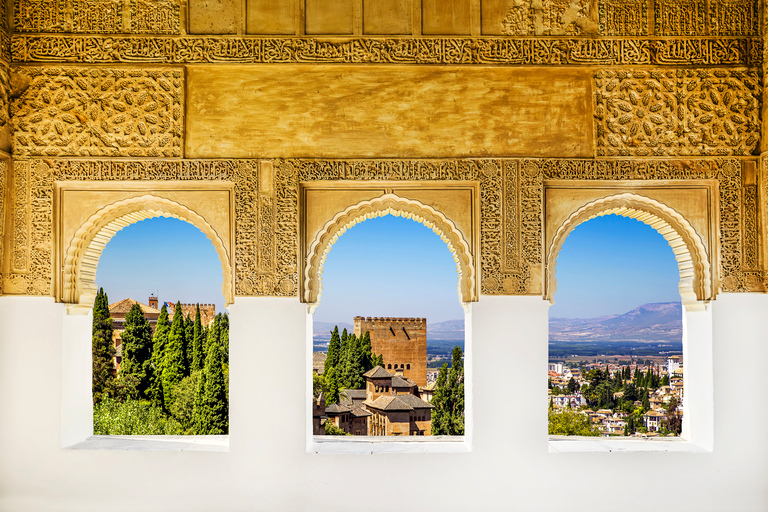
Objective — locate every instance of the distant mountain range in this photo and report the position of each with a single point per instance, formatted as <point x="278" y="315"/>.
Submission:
<point x="658" y="322"/>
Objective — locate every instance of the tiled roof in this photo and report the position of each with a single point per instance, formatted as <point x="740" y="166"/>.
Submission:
<point x="359" y="412"/>
<point x="337" y="409"/>
<point x="377" y="373"/>
<point x="125" y="305"/>
<point x="398" y="381"/>
<point x="353" y="394"/>
<point x="399" y="403"/>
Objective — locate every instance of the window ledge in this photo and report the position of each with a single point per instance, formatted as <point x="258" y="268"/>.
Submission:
<point x="155" y="443"/>
<point x="369" y="445"/>
<point x="578" y="444"/>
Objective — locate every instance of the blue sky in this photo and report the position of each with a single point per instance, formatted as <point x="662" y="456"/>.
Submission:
<point x="391" y="266"/>
<point x="611" y="265"/>
<point x="166" y="256"/>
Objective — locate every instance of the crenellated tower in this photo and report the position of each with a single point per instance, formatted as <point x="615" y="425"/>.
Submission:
<point x="401" y="341"/>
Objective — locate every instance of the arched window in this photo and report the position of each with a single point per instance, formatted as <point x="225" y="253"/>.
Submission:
<point x="409" y="276"/>
<point x="614" y="329"/>
<point x="175" y="259"/>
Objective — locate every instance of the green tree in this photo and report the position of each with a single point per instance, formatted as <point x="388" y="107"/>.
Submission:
<point x="365" y="348"/>
<point x="136" y="366"/>
<point x="159" y="342"/>
<point x="174" y="359"/>
<point x="224" y="337"/>
<point x="332" y="430"/>
<point x="214" y="334"/>
<point x="565" y="422"/>
<point x="102" y="348"/>
<point x="448" y="398"/>
<point x="189" y="344"/>
<point x="332" y="361"/>
<point x="132" y="417"/>
<point x="198" y="356"/>
<point x="331" y="390"/>
<point x="212" y="414"/>
<point x="184" y="396"/>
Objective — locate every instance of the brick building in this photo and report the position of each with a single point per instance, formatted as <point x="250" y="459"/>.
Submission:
<point x="401" y="341"/>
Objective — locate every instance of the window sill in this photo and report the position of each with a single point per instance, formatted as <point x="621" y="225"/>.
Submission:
<point x="369" y="445"/>
<point x="155" y="443"/>
<point x="578" y="444"/>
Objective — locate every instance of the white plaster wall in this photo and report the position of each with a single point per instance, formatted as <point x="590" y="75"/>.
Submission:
<point x="268" y="468"/>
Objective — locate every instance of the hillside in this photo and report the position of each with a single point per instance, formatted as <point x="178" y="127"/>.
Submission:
<point x="659" y="322"/>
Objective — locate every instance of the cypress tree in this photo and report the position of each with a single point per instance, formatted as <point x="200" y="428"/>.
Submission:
<point x="331" y="377"/>
<point x="189" y="344"/>
<point x="102" y="348"/>
<point x="174" y="360"/>
<point x="136" y="367"/>
<point x="214" y="335"/>
<point x="224" y="337"/>
<point x="198" y="357"/>
<point x="332" y="361"/>
<point x="199" y="411"/>
<point x="365" y="347"/>
<point x="212" y="416"/>
<point x="159" y="342"/>
<point x="448" y="398"/>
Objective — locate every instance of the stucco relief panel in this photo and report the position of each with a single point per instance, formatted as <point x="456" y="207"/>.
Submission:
<point x="690" y="112"/>
<point x="73" y="111"/>
<point x="98" y="16"/>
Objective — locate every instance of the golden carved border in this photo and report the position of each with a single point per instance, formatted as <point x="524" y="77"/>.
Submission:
<point x="691" y="255"/>
<point x="604" y="51"/>
<point x="82" y="253"/>
<point x="388" y="204"/>
<point x="266" y="209"/>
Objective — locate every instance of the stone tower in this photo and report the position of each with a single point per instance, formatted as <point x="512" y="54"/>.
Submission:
<point x="402" y="342"/>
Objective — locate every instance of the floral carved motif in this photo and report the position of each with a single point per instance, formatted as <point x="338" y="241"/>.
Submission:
<point x="459" y="51"/>
<point x="682" y="113"/>
<point x="99" y="112"/>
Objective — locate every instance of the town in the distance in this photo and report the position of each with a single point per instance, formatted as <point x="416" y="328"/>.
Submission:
<point x="618" y="375"/>
<point x="374" y="381"/>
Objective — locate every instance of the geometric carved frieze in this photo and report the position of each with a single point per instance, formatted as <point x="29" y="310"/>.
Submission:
<point x="684" y="112"/>
<point x="98" y="16"/>
<point x="604" y="51"/>
<point x="74" y="111"/>
<point x="266" y="251"/>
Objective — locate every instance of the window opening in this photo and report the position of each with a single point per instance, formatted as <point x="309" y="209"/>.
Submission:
<point x="160" y="366"/>
<point x="389" y="293"/>
<point x="615" y="333"/>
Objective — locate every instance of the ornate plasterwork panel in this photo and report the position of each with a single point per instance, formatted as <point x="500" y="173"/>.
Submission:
<point x="680" y="17"/>
<point x="690" y="112"/>
<point x="697" y="51"/>
<point x="734" y="17"/>
<point x="267" y="222"/>
<point x="75" y="111"/>
<point x="98" y="16"/>
<point x="623" y="17"/>
<point x="3" y="190"/>
<point x="549" y="17"/>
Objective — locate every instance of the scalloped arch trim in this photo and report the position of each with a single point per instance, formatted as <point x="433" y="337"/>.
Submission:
<point x="388" y="204"/>
<point x="81" y="257"/>
<point x="696" y="285"/>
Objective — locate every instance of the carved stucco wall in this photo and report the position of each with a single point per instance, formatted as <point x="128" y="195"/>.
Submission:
<point x="691" y="111"/>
